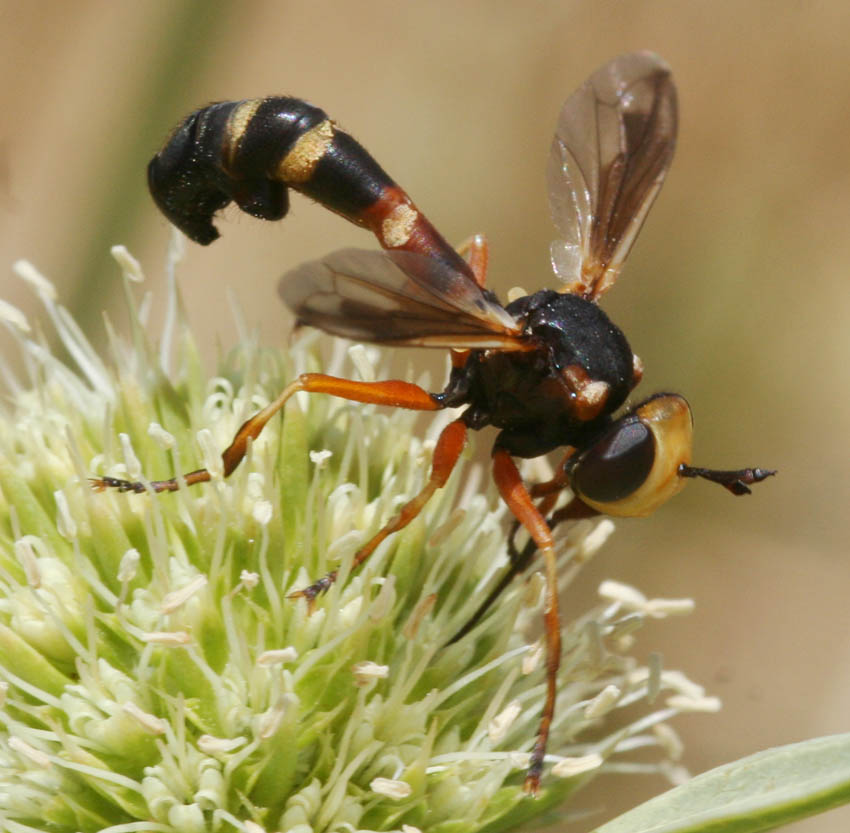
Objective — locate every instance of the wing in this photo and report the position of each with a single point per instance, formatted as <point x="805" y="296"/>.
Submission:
<point x="611" y="151"/>
<point x="399" y="298"/>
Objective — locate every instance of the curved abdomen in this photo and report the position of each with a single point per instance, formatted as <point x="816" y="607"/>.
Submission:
<point x="253" y="151"/>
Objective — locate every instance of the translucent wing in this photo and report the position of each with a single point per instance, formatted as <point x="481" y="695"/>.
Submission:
<point x="397" y="298"/>
<point x="611" y="151"/>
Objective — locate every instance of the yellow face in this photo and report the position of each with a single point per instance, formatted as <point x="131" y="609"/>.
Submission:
<point x="634" y="467"/>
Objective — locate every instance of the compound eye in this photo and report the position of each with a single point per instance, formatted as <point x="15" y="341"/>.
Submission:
<point x="617" y="464"/>
<point x="634" y="466"/>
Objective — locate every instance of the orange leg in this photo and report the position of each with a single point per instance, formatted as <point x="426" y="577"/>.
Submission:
<point x="476" y="253"/>
<point x="446" y="453"/>
<point x="519" y="560"/>
<point x="394" y="393"/>
<point x="519" y="501"/>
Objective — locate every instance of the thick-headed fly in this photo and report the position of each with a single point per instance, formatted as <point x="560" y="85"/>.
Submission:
<point x="549" y="370"/>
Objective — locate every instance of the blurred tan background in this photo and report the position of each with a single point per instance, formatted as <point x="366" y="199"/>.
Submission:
<point x="737" y="293"/>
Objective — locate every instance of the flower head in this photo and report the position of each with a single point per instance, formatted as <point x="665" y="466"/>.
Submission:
<point x="153" y="674"/>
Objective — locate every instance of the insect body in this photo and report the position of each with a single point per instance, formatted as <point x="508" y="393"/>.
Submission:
<point x="549" y="370"/>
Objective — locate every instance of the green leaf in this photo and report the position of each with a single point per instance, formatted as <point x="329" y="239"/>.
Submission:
<point x="759" y="792"/>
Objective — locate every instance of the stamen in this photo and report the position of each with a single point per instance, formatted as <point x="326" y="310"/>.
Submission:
<point x="391" y="788"/>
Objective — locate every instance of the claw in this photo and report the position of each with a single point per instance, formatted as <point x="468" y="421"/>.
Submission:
<point x="100" y="484"/>
<point x="531" y="786"/>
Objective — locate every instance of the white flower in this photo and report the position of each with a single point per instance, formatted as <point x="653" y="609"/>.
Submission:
<point x="153" y="672"/>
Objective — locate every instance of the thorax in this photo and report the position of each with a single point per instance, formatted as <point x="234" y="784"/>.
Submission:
<point x="540" y="397"/>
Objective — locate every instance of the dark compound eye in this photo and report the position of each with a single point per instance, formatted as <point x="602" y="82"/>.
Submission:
<point x="617" y="464"/>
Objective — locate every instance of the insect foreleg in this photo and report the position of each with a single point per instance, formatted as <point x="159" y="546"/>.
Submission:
<point x="397" y="394"/>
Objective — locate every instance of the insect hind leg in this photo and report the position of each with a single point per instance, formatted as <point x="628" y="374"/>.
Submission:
<point x="393" y="393"/>
<point x="476" y="252"/>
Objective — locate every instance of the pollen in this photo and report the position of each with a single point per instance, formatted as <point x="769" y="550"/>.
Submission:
<point x="151" y="724"/>
<point x="390" y="787"/>
<point x="278" y="656"/>
<point x="366" y="672"/>
<point x="36" y="756"/>
<point x="166" y="638"/>
<point x="603" y="702"/>
<point x="570" y="767"/>
<point x="499" y="725"/>
<point x="177" y="598"/>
